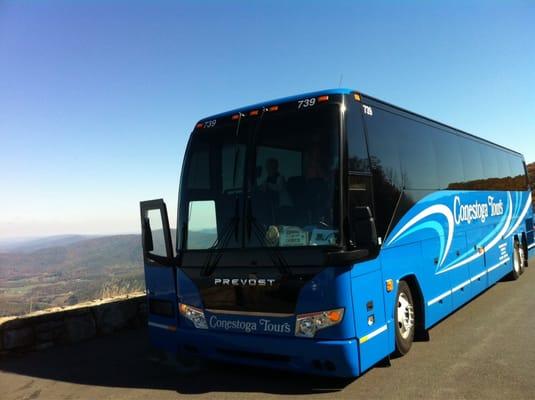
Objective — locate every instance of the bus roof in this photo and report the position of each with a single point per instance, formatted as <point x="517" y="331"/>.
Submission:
<point x="278" y="101"/>
<point x="348" y="91"/>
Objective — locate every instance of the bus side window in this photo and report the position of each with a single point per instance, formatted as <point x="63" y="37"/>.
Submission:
<point x="359" y="198"/>
<point x="518" y="173"/>
<point x="417" y="155"/>
<point x="472" y="164"/>
<point x="384" y="142"/>
<point x="359" y="190"/>
<point x="449" y="162"/>
<point x="357" y="151"/>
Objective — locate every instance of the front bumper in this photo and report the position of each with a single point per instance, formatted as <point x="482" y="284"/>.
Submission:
<point x="324" y="357"/>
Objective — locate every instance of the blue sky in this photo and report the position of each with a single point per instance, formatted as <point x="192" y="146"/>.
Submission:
<point x="97" y="98"/>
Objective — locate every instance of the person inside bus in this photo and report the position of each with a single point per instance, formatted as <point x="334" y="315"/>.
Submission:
<point x="275" y="183"/>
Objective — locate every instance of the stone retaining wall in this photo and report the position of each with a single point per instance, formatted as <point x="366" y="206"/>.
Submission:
<point x="46" y="329"/>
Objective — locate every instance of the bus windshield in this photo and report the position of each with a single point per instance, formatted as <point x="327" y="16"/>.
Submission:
<point x="272" y="181"/>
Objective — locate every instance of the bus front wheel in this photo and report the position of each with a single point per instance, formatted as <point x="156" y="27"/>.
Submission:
<point x="404" y="319"/>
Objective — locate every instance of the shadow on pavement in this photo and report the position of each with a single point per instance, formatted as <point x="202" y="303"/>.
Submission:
<point x="123" y="360"/>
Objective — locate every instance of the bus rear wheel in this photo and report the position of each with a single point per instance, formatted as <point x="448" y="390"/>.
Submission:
<point x="404" y="319"/>
<point x="518" y="267"/>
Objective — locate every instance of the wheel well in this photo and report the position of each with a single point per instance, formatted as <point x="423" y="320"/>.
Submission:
<point x="418" y="302"/>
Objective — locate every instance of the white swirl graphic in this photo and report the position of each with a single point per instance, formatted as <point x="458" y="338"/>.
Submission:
<point x="434" y="209"/>
<point x="520" y="217"/>
<point x="491" y="244"/>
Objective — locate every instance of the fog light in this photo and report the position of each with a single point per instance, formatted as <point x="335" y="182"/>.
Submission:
<point x="193" y="314"/>
<point x="306" y="325"/>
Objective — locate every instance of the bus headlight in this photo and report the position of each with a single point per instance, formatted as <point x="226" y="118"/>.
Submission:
<point x="195" y="315"/>
<point x="306" y="325"/>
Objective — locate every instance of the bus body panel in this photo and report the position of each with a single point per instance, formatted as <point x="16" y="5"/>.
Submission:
<point x="250" y="344"/>
<point x="324" y="357"/>
<point x="437" y="305"/>
<point x="369" y="316"/>
<point x="330" y="289"/>
<point x="450" y="244"/>
<point x="188" y="293"/>
<point x="461" y="290"/>
<point x="162" y="307"/>
<point x="452" y="253"/>
<point x="478" y="277"/>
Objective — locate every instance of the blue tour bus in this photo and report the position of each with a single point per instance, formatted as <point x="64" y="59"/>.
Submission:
<point x="321" y="233"/>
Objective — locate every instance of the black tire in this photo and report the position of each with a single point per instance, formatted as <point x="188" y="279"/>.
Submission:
<point x="526" y="251"/>
<point x="404" y="308"/>
<point x="517" y="268"/>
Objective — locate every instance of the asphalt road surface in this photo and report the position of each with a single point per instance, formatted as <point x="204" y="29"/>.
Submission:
<point x="486" y="350"/>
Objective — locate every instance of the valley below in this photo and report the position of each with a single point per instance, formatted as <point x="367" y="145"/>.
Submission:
<point x="34" y="278"/>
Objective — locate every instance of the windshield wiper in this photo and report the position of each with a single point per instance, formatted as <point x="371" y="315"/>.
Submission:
<point x="232" y="226"/>
<point x="220" y="243"/>
<point x="276" y="257"/>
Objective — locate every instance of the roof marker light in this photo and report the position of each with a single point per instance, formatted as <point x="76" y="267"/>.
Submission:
<point x="273" y="108"/>
<point x="199" y="125"/>
<point x="235" y="117"/>
<point x="323" y="98"/>
<point x="253" y="113"/>
<point x="357" y="96"/>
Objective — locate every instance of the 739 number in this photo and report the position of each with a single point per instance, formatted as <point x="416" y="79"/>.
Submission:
<point x="306" y="103"/>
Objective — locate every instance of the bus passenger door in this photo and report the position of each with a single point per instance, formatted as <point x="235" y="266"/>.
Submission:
<point x="160" y="271"/>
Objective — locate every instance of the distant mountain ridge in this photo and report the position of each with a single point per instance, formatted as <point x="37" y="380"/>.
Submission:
<point x="58" y="253"/>
<point x="29" y="245"/>
<point x="79" y="252"/>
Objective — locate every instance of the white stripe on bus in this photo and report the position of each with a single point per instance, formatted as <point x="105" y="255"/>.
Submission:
<point x="459" y="287"/>
<point x="371" y="335"/>
<point x="531" y="245"/>
<point x="466" y="283"/>
<point x="476" y="277"/>
<point x="498" y="265"/>
<point x="438" y="298"/>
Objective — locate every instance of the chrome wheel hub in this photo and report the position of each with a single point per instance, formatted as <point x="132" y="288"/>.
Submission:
<point x="517" y="260"/>
<point x="405" y="314"/>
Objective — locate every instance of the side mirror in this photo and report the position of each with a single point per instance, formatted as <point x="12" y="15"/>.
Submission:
<point x="147" y="236"/>
<point x="363" y="232"/>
